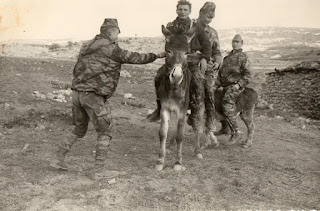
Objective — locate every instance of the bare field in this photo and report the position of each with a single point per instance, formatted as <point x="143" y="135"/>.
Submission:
<point x="280" y="171"/>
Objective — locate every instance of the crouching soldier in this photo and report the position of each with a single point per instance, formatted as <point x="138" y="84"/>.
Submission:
<point x="234" y="75"/>
<point x="95" y="78"/>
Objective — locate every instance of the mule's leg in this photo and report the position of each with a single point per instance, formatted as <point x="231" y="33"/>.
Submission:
<point x="179" y="139"/>
<point x="197" y="128"/>
<point x="210" y="110"/>
<point x="211" y="139"/>
<point x="163" y="134"/>
<point x="247" y="117"/>
<point x="171" y="143"/>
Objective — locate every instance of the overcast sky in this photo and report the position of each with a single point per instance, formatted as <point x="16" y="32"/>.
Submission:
<point x="81" y="19"/>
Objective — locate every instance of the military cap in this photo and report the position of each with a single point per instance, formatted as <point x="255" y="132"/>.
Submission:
<point x="110" y="22"/>
<point x="237" y="37"/>
<point x="208" y="7"/>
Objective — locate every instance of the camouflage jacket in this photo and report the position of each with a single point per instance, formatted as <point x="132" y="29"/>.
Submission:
<point x="212" y="35"/>
<point x="99" y="65"/>
<point x="200" y="41"/>
<point x="234" y="69"/>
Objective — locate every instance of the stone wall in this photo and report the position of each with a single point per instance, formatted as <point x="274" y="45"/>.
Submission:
<point x="295" y="89"/>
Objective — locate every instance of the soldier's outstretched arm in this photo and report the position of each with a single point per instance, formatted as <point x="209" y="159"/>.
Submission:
<point x="130" y="57"/>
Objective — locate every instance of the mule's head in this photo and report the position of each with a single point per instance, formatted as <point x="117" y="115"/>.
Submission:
<point x="177" y="46"/>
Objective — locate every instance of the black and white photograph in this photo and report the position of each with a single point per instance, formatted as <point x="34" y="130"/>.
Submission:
<point x="159" y="105"/>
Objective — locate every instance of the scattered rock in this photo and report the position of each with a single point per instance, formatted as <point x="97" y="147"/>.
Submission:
<point x="41" y="127"/>
<point x="128" y="96"/>
<point x="50" y="96"/>
<point x="6" y="106"/>
<point x="113" y="181"/>
<point x="276" y="56"/>
<point x="271" y="107"/>
<point x="25" y="149"/>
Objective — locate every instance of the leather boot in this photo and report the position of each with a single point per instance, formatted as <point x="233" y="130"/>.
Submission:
<point x="191" y="119"/>
<point x="155" y="116"/>
<point x="59" y="162"/>
<point x="225" y="129"/>
<point x="99" y="170"/>
<point x="235" y="136"/>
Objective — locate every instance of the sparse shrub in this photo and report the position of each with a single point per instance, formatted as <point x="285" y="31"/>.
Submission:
<point x="70" y="44"/>
<point x="54" y="47"/>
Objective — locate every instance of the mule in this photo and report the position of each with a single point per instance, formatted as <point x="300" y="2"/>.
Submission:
<point x="245" y="106"/>
<point x="174" y="95"/>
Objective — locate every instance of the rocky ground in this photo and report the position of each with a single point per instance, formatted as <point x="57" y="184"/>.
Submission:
<point x="280" y="171"/>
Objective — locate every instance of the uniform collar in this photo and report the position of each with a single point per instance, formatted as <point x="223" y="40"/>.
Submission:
<point x="183" y="20"/>
<point x="101" y="36"/>
<point x="236" y="51"/>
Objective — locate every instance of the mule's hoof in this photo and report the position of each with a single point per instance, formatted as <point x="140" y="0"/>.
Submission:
<point x="246" y="145"/>
<point x="177" y="167"/>
<point x="204" y="147"/>
<point x="199" y="156"/>
<point x="215" y="144"/>
<point x="159" y="167"/>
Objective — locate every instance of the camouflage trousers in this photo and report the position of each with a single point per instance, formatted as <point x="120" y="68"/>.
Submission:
<point x="200" y="83"/>
<point x="230" y="97"/>
<point x="90" y="106"/>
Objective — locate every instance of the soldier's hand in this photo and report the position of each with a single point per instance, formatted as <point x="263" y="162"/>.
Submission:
<point x="203" y="65"/>
<point x="161" y="55"/>
<point x="215" y="66"/>
<point x="236" y="86"/>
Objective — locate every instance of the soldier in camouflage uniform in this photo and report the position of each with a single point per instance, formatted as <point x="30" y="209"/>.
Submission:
<point x="234" y="75"/>
<point x="95" y="78"/>
<point x="197" y="62"/>
<point x="206" y="14"/>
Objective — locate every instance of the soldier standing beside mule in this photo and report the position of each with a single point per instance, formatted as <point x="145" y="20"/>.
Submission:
<point x="95" y="78"/>
<point x="234" y="75"/>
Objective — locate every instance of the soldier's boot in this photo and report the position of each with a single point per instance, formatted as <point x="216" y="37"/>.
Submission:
<point x="191" y="119"/>
<point x="225" y="129"/>
<point x="99" y="170"/>
<point x="64" y="148"/>
<point x="155" y="116"/>
<point x="235" y="136"/>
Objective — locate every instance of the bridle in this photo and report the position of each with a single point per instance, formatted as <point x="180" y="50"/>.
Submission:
<point x="176" y="71"/>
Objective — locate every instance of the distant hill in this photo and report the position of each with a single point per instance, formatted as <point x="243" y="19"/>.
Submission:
<point x="261" y="38"/>
<point x="281" y="40"/>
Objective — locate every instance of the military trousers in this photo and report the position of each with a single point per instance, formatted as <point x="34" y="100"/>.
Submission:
<point x="90" y="106"/>
<point x="229" y="100"/>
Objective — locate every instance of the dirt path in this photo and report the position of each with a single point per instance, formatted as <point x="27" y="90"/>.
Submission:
<point x="280" y="171"/>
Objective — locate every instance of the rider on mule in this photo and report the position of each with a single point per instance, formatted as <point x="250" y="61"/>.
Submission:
<point x="234" y="75"/>
<point x="197" y="62"/>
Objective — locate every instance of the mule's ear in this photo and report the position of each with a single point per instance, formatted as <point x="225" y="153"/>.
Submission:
<point x="191" y="32"/>
<point x="166" y="32"/>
